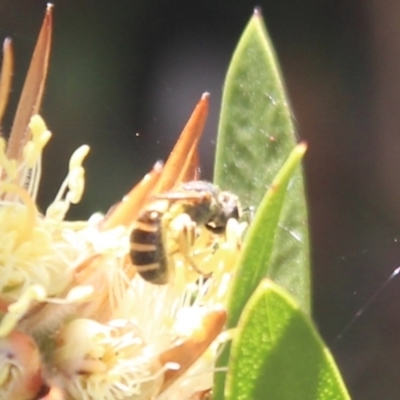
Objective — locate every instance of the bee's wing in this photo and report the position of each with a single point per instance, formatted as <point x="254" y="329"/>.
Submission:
<point x="184" y="195"/>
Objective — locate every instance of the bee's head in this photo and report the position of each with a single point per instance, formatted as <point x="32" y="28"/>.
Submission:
<point x="227" y="206"/>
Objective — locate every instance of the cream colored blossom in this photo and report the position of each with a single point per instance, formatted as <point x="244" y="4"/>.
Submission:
<point x="92" y="328"/>
<point x="39" y="253"/>
<point x="114" y="335"/>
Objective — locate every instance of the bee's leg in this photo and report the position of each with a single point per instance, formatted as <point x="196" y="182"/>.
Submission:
<point x="183" y="229"/>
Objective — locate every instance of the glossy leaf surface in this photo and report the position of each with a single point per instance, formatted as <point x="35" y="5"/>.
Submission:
<point x="277" y="353"/>
<point x="255" y="257"/>
<point x="255" y="138"/>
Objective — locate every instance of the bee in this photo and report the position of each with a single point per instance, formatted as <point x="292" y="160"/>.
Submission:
<point x="168" y="225"/>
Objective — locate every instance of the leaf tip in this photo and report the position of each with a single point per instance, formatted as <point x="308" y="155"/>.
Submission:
<point x="266" y="284"/>
<point x="301" y="148"/>
<point x="257" y="11"/>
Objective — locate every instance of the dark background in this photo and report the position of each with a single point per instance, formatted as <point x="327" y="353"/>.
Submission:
<point x="124" y="67"/>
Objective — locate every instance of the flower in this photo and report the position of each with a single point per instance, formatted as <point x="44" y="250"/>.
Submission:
<point x="92" y="328"/>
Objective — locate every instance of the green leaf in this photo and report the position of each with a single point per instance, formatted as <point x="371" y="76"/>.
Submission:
<point x="255" y="132"/>
<point x="255" y="137"/>
<point x="277" y="353"/>
<point x="254" y="260"/>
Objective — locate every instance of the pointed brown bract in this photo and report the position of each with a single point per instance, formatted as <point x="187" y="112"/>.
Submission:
<point x="182" y="166"/>
<point x="6" y="75"/>
<point x="188" y="351"/>
<point x="32" y="92"/>
<point x="191" y="170"/>
<point x="127" y="210"/>
<point x="183" y="154"/>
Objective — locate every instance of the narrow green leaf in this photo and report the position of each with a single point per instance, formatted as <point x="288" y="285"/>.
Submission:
<point x="254" y="263"/>
<point x="255" y="133"/>
<point x="255" y="256"/>
<point x="255" y="138"/>
<point x="278" y="355"/>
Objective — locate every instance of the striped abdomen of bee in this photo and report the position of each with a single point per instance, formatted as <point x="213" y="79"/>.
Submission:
<point x="147" y="251"/>
<point x="169" y="225"/>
